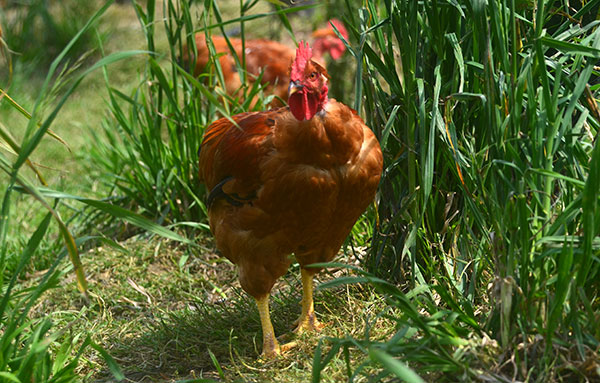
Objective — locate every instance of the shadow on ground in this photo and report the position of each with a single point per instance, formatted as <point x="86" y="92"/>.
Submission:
<point x="179" y="344"/>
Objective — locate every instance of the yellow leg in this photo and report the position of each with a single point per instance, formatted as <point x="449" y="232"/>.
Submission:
<point x="308" y="319"/>
<point x="270" y="345"/>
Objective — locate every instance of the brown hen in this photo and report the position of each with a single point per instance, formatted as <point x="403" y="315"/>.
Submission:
<point x="291" y="180"/>
<point x="269" y="56"/>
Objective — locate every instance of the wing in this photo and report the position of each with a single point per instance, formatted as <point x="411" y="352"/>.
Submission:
<point x="230" y="155"/>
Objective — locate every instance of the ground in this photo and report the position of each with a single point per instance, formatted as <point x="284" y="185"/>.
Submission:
<point x="167" y="313"/>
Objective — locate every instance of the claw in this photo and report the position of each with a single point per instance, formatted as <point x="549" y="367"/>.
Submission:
<point x="288" y="346"/>
<point x="272" y="352"/>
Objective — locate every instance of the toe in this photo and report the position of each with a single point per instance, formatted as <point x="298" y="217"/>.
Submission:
<point x="310" y="323"/>
<point x="270" y="352"/>
<point x="288" y="346"/>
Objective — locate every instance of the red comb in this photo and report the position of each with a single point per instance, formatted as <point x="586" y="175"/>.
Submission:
<point x="303" y="56"/>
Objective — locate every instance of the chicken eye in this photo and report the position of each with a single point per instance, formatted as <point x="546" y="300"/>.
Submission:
<point x="313" y="75"/>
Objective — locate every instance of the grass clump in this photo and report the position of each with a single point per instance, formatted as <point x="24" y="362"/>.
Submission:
<point x="487" y="116"/>
<point x="486" y="228"/>
<point x="31" y="348"/>
<point x="37" y="31"/>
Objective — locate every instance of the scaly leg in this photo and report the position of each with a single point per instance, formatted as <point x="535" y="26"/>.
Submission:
<point x="270" y="345"/>
<point x="308" y="319"/>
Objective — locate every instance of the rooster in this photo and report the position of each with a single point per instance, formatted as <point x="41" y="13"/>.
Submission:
<point x="269" y="56"/>
<point x="291" y="180"/>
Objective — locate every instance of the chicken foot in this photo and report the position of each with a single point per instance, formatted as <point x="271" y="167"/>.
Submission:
<point x="271" y="347"/>
<point x="308" y="319"/>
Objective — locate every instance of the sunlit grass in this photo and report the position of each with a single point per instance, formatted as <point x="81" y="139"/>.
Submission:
<point x="484" y="233"/>
<point x="30" y="348"/>
<point x="160" y="317"/>
<point x="488" y="124"/>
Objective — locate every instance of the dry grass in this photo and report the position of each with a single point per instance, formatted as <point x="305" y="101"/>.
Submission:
<point x="161" y="321"/>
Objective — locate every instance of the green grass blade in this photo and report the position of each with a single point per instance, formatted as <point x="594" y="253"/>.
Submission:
<point x="26" y="255"/>
<point x="590" y="213"/>
<point x="262" y="15"/>
<point x="30" y="145"/>
<point x="563" y="289"/>
<point x="216" y="364"/>
<point x="119" y="212"/>
<point x="394" y="366"/>
<point x="112" y="364"/>
<point x="567" y="47"/>
<point x="9" y="377"/>
<point x="42" y="94"/>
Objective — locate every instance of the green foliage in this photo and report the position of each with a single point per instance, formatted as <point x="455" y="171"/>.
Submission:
<point x="29" y="349"/>
<point x="25" y="343"/>
<point x="38" y="30"/>
<point x="487" y="116"/>
<point x="153" y="136"/>
<point x="152" y="142"/>
<point x="486" y="240"/>
<point x="487" y="211"/>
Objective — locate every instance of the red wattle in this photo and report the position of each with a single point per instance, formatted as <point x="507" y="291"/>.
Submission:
<point x="311" y="103"/>
<point x="303" y="105"/>
<point x="295" y="103"/>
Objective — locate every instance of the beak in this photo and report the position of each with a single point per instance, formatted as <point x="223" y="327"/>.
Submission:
<point x="294" y="87"/>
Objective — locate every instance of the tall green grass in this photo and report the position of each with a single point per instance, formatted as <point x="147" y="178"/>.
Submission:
<point x="487" y="115"/>
<point x="25" y="343"/>
<point x="39" y="30"/>
<point x="31" y="349"/>
<point x="150" y="144"/>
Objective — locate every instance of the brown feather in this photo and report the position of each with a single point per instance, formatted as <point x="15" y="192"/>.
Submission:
<point x="261" y="55"/>
<point x="310" y="180"/>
